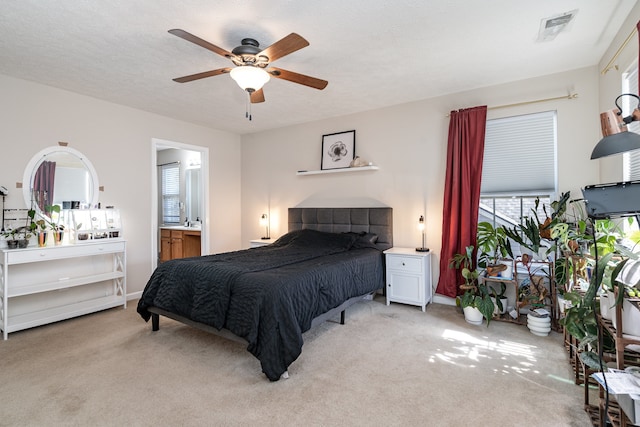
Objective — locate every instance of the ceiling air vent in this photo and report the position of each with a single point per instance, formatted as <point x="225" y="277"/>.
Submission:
<point x="554" y="25"/>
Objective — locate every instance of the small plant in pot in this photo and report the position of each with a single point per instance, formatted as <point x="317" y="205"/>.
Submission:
<point x="476" y="301"/>
<point x="56" y="227"/>
<point x="532" y="289"/>
<point x="23" y="237"/>
<point x="11" y="237"/>
<point x="41" y="232"/>
<point x="499" y="299"/>
<point x="17" y="237"/>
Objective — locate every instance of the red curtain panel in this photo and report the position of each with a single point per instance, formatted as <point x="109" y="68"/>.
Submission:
<point x="461" y="191"/>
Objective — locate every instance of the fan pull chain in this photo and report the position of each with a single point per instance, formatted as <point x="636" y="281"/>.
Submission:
<point x="247" y="113"/>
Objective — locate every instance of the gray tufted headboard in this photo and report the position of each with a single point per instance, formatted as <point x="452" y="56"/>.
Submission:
<point x="339" y="220"/>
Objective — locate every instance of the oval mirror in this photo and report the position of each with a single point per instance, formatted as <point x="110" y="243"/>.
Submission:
<point x="60" y="176"/>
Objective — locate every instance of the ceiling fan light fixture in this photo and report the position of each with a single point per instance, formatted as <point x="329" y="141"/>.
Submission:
<point x="250" y="78"/>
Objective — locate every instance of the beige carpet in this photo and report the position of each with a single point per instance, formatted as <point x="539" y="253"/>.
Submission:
<point x="388" y="366"/>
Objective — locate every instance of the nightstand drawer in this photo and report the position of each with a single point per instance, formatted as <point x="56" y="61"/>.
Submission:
<point x="405" y="263"/>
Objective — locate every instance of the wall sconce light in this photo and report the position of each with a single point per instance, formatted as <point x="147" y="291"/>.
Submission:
<point x="264" y="221"/>
<point x="421" y="228"/>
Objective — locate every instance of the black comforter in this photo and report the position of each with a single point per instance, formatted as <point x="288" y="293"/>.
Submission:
<point x="268" y="295"/>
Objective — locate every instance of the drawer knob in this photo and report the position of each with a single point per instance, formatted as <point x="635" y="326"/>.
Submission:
<point x="389" y="285"/>
<point x="403" y="263"/>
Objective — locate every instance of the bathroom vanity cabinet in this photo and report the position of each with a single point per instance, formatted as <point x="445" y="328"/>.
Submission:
<point x="179" y="242"/>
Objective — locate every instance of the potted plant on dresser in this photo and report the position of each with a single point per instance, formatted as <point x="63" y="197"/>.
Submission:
<point x="476" y="301"/>
<point x="55" y="226"/>
<point x="12" y="237"/>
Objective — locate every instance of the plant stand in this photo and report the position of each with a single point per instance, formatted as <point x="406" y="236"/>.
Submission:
<point x="509" y="281"/>
<point x="542" y="269"/>
<point x="506" y="316"/>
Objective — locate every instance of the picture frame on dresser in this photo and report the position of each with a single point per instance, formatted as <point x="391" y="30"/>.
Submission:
<point x="338" y="150"/>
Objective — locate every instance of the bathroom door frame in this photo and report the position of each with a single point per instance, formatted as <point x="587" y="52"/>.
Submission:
<point x="157" y="144"/>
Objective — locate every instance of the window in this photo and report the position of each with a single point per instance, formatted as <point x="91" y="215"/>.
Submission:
<point x="519" y="166"/>
<point x="631" y="160"/>
<point x="171" y="193"/>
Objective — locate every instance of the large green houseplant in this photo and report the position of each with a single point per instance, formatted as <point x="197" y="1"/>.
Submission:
<point x="493" y="245"/>
<point x="580" y="317"/>
<point x="534" y="234"/>
<point x="476" y="295"/>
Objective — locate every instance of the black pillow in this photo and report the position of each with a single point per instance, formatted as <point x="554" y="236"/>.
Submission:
<point x="364" y="239"/>
<point x="314" y="238"/>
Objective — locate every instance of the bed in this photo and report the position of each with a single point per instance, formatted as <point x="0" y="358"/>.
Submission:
<point x="269" y="296"/>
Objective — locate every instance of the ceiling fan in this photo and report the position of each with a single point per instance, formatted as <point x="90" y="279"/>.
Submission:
<point x="252" y="64"/>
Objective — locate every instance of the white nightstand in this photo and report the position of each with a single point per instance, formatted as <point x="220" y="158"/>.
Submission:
<point x="261" y="242"/>
<point x="408" y="276"/>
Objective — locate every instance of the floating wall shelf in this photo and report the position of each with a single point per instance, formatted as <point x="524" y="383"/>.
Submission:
<point x="355" y="169"/>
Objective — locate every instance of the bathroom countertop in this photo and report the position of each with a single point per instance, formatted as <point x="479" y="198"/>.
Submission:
<point x="180" y="227"/>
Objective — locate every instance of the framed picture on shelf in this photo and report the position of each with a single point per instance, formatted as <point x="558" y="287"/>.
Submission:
<point x="338" y="150"/>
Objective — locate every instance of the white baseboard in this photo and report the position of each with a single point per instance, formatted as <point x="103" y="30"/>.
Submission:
<point x="134" y="295"/>
<point x="441" y="299"/>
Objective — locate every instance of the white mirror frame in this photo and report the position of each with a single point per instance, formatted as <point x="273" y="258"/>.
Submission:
<point x="34" y="163"/>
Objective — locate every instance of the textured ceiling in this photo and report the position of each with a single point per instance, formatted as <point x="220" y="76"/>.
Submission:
<point x="374" y="53"/>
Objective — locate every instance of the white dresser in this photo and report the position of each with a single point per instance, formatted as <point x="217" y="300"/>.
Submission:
<point x="408" y="276"/>
<point x="44" y="285"/>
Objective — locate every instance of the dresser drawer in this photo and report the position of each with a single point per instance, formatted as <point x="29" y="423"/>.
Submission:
<point x="405" y="263"/>
<point x="20" y="256"/>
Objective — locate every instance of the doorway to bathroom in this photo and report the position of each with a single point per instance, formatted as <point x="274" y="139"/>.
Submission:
<point x="180" y="198"/>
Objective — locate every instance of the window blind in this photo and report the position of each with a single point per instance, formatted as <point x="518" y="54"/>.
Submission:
<point x="171" y="193"/>
<point x="520" y="155"/>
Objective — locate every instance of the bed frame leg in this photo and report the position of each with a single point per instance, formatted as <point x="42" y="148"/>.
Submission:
<point x="155" y="322"/>
<point x="342" y="317"/>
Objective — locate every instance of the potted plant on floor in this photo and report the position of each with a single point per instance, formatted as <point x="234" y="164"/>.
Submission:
<point x="579" y="319"/>
<point x="476" y="301"/>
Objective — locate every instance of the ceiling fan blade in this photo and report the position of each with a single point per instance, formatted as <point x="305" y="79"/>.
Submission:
<point x="284" y="46"/>
<point x="298" y="78"/>
<point x="257" y="96"/>
<point x="198" y="76"/>
<point x="203" y="43"/>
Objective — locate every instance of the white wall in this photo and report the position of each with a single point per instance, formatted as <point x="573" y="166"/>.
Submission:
<point x="408" y="143"/>
<point x="117" y="140"/>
